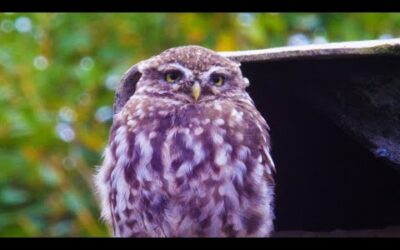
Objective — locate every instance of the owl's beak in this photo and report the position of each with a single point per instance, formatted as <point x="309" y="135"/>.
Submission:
<point x="196" y="90"/>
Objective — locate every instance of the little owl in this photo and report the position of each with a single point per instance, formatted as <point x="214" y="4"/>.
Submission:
<point x="188" y="153"/>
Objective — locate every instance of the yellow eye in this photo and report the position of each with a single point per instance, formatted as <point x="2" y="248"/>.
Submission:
<point x="217" y="80"/>
<point x="172" y="76"/>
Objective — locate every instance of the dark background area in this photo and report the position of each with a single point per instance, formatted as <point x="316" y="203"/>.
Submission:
<point x="326" y="180"/>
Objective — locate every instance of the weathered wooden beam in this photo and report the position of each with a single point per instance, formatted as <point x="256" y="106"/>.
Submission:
<point x="317" y="51"/>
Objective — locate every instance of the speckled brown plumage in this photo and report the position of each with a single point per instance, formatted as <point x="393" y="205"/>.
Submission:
<point x="178" y="165"/>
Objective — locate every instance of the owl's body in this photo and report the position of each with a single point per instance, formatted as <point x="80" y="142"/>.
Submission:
<point x="188" y="156"/>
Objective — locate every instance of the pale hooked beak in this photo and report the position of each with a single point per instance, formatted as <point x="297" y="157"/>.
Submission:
<point x="196" y="90"/>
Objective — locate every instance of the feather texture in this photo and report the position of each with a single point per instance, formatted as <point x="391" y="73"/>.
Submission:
<point x="175" y="167"/>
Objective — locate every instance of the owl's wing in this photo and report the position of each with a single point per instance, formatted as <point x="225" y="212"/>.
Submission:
<point x="265" y="146"/>
<point x="263" y="141"/>
<point x="126" y="87"/>
<point x="266" y="157"/>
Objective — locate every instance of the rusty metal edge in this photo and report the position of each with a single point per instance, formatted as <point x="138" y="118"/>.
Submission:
<point x="329" y="50"/>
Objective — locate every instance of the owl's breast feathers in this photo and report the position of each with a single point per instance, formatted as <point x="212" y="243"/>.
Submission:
<point x="188" y="170"/>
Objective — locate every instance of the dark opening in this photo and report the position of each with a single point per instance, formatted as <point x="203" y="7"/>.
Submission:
<point x="325" y="179"/>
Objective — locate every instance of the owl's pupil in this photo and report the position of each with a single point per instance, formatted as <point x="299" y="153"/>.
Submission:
<point x="217" y="79"/>
<point x="172" y="76"/>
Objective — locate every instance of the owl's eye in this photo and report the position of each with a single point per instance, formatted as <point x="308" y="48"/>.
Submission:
<point x="217" y="79"/>
<point x="172" y="76"/>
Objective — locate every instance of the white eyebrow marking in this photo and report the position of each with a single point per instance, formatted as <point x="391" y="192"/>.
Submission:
<point x="187" y="72"/>
<point x="214" y="69"/>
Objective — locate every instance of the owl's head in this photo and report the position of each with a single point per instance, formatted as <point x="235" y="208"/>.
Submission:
<point x="186" y="74"/>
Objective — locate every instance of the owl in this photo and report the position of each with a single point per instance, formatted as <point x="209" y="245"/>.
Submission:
<point x="188" y="153"/>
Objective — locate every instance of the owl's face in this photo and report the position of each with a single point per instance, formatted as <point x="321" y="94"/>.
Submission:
<point x="190" y="74"/>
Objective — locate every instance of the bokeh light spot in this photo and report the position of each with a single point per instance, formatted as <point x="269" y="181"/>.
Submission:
<point x="65" y="132"/>
<point x="104" y="113"/>
<point x="7" y="26"/>
<point x="111" y="82"/>
<point x="245" y="19"/>
<point x="67" y="115"/>
<point x="298" y="39"/>
<point x="40" y="62"/>
<point x="385" y="36"/>
<point x="320" y="40"/>
<point x="23" y="24"/>
<point x="87" y="63"/>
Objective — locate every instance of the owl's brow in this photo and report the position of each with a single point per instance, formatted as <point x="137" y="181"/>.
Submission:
<point x="214" y="69"/>
<point x="186" y="71"/>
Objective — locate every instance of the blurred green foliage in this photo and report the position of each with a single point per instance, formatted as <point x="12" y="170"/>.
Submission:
<point x="58" y="73"/>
